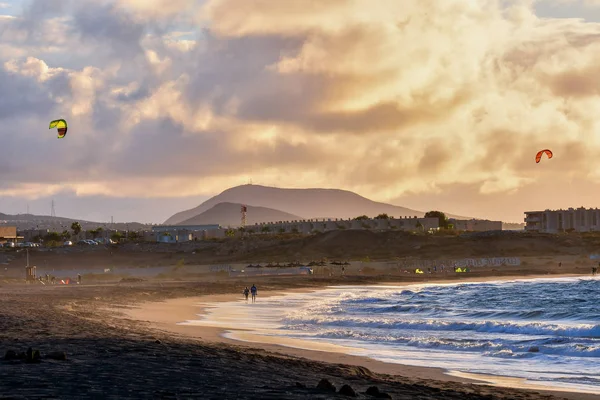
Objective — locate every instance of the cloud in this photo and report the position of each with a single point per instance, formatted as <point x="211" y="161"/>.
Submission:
<point x="183" y="98"/>
<point x="157" y="8"/>
<point x="585" y="3"/>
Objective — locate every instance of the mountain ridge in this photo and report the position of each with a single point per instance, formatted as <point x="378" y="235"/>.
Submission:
<point x="305" y="203"/>
<point x="33" y="221"/>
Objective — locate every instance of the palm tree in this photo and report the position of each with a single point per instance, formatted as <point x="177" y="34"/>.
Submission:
<point x="76" y="228"/>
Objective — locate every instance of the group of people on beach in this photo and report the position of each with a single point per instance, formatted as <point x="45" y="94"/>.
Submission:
<point x="52" y="279"/>
<point x="252" y="290"/>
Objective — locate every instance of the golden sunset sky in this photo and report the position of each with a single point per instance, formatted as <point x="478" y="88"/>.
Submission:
<point x="427" y="104"/>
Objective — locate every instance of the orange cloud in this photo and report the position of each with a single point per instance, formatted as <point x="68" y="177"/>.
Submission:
<point x="392" y="99"/>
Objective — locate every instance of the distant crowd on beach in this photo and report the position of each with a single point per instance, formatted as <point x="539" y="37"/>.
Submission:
<point x="435" y="270"/>
<point x="252" y="290"/>
<point x="51" y="279"/>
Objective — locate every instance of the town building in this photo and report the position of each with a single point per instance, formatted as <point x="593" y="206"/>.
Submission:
<point x="475" y="225"/>
<point x="9" y="234"/>
<point x="33" y="235"/>
<point x="553" y="221"/>
<point x="324" y="225"/>
<point x="182" y="233"/>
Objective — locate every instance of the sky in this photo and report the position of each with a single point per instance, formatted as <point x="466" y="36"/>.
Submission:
<point x="427" y="104"/>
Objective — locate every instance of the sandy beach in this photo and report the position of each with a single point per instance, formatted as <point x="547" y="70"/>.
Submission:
<point x="122" y="340"/>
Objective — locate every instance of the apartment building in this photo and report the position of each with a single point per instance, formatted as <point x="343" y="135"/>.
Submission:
<point x="553" y="221"/>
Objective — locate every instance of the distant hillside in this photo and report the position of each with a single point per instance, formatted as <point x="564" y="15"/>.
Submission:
<point x="228" y="214"/>
<point x="305" y="203"/>
<point x="59" y="224"/>
<point x="31" y="217"/>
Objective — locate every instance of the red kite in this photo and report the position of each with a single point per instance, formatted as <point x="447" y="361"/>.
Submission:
<point x="538" y="156"/>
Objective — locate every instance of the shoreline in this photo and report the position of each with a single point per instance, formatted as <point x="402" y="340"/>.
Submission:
<point x="170" y="316"/>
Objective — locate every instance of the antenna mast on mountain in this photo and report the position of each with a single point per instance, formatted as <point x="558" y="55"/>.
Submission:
<point x="243" y="211"/>
<point x="52" y="211"/>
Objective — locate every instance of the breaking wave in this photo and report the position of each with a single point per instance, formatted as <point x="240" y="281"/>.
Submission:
<point x="544" y="330"/>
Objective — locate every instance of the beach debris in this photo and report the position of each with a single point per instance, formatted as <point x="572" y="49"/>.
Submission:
<point x="346" y="390"/>
<point x="33" y="356"/>
<point x="325" y="385"/>
<point x="30" y="356"/>
<point x="374" y="391"/>
<point x="157" y="341"/>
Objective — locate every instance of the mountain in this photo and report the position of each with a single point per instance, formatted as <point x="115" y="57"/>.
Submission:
<point x="59" y="224"/>
<point x="306" y="203"/>
<point x="228" y="214"/>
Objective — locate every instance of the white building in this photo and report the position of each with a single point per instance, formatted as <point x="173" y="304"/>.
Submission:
<point x="553" y="221"/>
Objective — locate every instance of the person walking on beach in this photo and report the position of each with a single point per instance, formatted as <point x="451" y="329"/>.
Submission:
<point x="253" y="290"/>
<point x="246" y="293"/>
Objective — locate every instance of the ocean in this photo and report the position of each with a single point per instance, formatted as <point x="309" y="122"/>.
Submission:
<point x="546" y="331"/>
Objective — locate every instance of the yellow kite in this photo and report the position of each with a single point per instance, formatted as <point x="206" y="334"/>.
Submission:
<point x="61" y="124"/>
